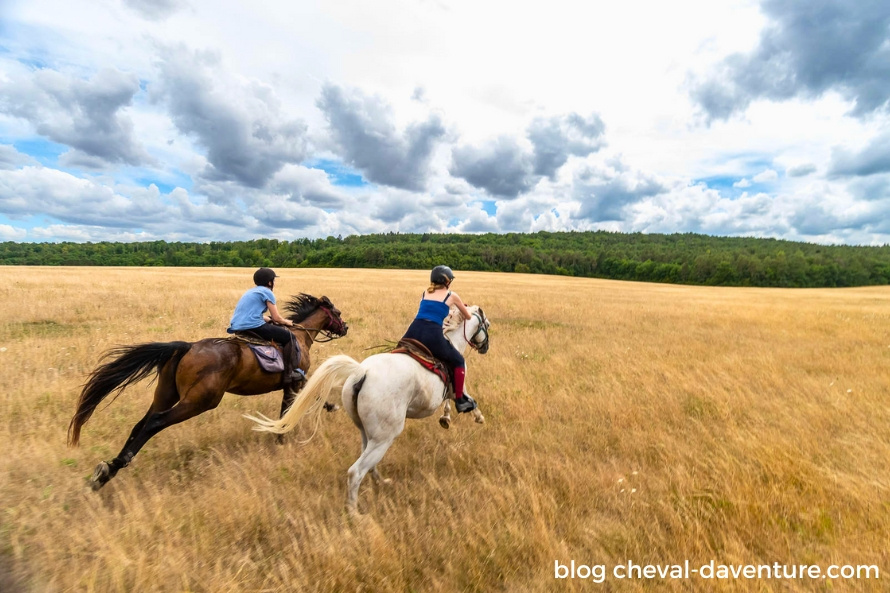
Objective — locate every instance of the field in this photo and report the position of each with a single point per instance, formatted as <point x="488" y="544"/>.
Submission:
<point x="625" y="422"/>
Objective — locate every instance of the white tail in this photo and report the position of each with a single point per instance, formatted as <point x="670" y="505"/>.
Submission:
<point x="330" y="376"/>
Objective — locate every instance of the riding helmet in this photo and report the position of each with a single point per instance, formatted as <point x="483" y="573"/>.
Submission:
<point x="264" y="276"/>
<point x="441" y="275"/>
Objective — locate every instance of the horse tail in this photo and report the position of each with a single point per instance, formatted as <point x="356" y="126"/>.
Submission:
<point x="130" y="365"/>
<point x="330" y="376"/>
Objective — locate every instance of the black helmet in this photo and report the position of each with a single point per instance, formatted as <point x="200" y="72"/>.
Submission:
<point x="264" y="276"/>
<point x="441" y="275"/>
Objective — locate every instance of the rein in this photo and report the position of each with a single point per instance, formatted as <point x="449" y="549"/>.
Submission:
<point x="480" y="329"/>
<point x="330" y="335"/>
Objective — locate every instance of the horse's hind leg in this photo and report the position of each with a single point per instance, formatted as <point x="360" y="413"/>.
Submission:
<point x="378" y="479"/>
<point x="155" y="423"/>
<point x="373" y="452"/>
<point x="166" y="396"/>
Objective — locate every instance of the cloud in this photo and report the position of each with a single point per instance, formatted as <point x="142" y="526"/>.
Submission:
<point x="363" y="129"/>
<point x="84" y="233"/>
<point x="501" y="167"/>
<point x="9" y="233"/>
<point x="279" y="212"/>
<point x="556" y="138"/>
<point x="766" y="175"/>
<point x="505" y="168"/>
<point x="156" y="10"/>
<point x="742" y="183"/>
<point x="397" y="206"/>
<point x="42" y="191"/>
<point x="873" y="158"/>
<point x="239" y="122"/>
<point x="83" y="114"/>
<point x="604" y="194"/>
<point x="10" y="158"/>
<point x="479" y="222"/>
<point x="835" y="212"/>
<point x="808" y="48"/>
<point x="78" y="159"/>
<point x="529" y="213"/>
<point x="801" y="170"/>
<point x="309" y="186"/>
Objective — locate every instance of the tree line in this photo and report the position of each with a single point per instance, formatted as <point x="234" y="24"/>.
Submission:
<point x="677" y="258"/>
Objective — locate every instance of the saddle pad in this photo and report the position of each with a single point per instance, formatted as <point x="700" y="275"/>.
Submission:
<point x="268" y="357"/>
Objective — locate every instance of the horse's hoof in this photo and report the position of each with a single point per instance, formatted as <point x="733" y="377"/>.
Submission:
<point x="100" y="476"/>
<point x="329" y="407"/>
<point x="480" y="419"/>
<point x="279" y="439"/>
<point x="445" y="422"/>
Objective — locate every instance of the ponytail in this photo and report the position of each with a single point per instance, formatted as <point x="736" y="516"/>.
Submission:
<point x="434" y="287"/>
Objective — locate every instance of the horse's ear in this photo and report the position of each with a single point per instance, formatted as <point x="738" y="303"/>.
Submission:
<point x="326" y="301"/>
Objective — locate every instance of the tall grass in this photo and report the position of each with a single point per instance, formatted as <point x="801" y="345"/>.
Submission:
<point x="625" y="421"/>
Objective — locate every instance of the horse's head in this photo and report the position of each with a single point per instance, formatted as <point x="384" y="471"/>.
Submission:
<point x="474" y="329"/>
<point x="479" y="337"/>
<point x="303" y="305"/>
<point x="335" y="324"/>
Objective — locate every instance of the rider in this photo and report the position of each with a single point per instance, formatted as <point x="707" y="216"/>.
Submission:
<point x="248" y="318"/>
<point x="435" y="304"/>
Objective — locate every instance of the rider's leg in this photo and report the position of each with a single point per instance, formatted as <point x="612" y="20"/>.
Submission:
<point x="430" y="335"/>
<point x="462" y="400"/>
<point x="289" y="352"/>
<point x="463" y="403"/>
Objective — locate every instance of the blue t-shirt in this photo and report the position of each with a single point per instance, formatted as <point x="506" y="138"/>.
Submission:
<point x="250" y="308"/>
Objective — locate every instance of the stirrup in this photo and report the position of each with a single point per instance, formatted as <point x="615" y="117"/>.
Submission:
<point x="465" y="404"/>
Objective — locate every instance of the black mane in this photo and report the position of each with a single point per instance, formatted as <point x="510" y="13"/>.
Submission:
<point x="301" y="306"/>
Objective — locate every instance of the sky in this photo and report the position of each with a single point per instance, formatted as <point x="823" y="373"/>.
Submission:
<point x="223" y="120"/>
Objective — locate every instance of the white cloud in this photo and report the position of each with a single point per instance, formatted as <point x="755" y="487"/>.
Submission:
<point x="200" y="120"/>
<point x="764" y="176"/>
<point x="11" y="233"/>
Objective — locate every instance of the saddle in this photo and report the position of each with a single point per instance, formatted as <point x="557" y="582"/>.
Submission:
<point x="268" y="354"/>
<point x="422" y="354"/>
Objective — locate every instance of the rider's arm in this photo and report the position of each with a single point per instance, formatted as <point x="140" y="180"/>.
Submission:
<point x="275" y="316"/>
<point x="455" y="300"/>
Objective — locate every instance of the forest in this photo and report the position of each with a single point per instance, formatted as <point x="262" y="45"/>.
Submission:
<point x="676" y="258"/>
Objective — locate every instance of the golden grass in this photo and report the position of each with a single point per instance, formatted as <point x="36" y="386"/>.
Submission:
<point x="625" y="421"/>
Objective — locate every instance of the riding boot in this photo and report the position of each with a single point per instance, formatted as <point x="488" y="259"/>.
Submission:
<point x="292" y="376"/>
<point x="464" y="403"/>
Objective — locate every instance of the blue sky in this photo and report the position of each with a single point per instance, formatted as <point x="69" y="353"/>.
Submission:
<point x="194" y="120"/>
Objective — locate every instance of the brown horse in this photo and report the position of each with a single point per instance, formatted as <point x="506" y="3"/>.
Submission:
<point x="193" y="377"/>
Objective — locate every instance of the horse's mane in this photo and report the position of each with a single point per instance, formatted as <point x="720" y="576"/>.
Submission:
<point x="454" y="319"/>
<point x="301" y="306"/>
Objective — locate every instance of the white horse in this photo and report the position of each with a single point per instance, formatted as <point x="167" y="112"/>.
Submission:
<point x="380" y="393"/>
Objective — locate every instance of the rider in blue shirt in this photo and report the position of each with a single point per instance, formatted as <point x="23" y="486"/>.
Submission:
<point x="248" y="319"/>
<point x="435" y="304"/>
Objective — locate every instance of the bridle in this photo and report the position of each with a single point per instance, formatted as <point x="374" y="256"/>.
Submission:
<point x="330" y="334"/>
<point x="480" y="329"/>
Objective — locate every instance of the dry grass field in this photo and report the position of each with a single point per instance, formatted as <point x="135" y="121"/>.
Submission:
<point x="625" y="422"/>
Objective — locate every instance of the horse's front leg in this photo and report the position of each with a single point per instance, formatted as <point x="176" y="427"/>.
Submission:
<point x="445" y="420"/>
<point x="477" y="416"/>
